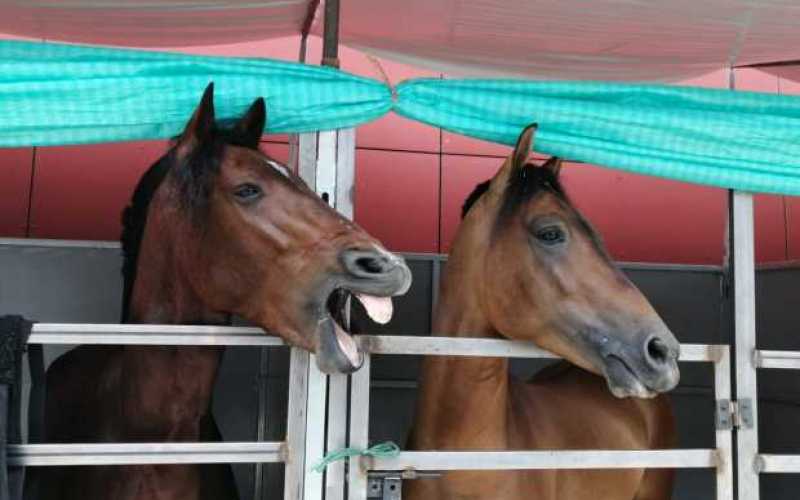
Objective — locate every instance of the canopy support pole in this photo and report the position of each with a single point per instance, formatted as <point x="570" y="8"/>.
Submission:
<point x="742" y="261"/>
<point x="745" y="342"/>
<point x="326" y="161"/>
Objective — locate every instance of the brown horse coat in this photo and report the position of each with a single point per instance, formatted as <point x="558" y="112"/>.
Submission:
<point x="526" y="266"/>
<point x="216" y="228"/>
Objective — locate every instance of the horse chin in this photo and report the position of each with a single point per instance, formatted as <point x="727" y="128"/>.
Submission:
<point x="337" y="350"/>
<point x="623" y="382"/>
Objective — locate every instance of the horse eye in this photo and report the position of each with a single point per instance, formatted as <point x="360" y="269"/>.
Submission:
<point x="551" y="235"/>
<point x="248" y="192"/>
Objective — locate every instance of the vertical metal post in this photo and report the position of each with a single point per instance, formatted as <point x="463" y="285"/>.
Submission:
<point x="337" y="435"/>
<point x="745" y="341"/>
<point x="315" y="430"/>
<point x="296" y="425"/>
<point x="724" y="437"/>
<point x="359" y="429"/>
<point x="262" y="385"/>
<point x="334" y="180"/>
<point x="330" y="35"/>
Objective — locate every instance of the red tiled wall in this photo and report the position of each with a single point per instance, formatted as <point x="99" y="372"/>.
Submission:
<point x="79" y="191"/>
<point x="15" y="181"/>
<point x="411" y="180"/>
<point x="397" y="197"/>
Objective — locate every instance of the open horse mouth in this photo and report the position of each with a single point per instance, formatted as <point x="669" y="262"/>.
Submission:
<point x="379" y="309"/>
<point x="338" y="350"/>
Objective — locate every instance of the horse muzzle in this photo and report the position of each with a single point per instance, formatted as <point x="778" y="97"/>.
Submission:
<point x="641" y="369"/>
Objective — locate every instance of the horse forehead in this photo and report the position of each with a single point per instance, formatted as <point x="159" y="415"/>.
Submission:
<point x="255" y="161"/>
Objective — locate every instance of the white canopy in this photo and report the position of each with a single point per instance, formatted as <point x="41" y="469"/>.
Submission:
<point x="568" y="39"/>
<point x="576" y="39"/>
<point x="153" y="23"/>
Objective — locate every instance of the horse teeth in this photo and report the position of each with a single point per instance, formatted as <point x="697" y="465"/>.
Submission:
<point x="379" y="309"/>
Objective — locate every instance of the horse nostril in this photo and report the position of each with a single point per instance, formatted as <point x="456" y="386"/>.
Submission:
<point x="372" y="265"/>
<point x="657" y="351"/>
<point x="367" y="263"/>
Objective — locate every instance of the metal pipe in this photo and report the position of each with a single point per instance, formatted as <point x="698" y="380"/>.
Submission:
<point x="330" y="34"/>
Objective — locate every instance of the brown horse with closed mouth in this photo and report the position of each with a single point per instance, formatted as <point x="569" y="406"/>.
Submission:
<point x="526" y="265"/>
<point x="215" y="228"/>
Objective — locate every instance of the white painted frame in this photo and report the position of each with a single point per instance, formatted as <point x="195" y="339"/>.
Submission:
<point x="744" y="304"/>
<point x="305" y="421"/>
<point x="720" y="458"/>
<point x="783" y="463"/>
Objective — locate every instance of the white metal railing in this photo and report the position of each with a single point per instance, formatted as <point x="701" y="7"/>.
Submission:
<point x="720" y="458"/>
<point x="305" y="421"/>
<point x="783" y="463"/>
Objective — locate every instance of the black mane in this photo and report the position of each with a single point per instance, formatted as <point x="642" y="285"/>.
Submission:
<point x="474" y="196"/>
<point x="134" y="218"/>
<point x="194" y="174"/>
<point x="524" y="185"/>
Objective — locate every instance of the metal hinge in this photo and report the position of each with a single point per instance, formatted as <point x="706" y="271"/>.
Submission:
<point x="734" y="414"/>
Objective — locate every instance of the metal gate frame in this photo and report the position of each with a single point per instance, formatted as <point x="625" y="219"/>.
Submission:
<point x="306" y="412"/>
<point x="720" y="458"/>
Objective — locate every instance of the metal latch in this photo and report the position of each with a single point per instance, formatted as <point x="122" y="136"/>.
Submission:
<point x="734" y="414"/>
<point x="389" y="485"/>
<point x="385" y="486"/>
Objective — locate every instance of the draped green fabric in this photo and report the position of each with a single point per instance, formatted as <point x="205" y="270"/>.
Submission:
<point x="742" y="140"/>
<point x="64" y="94"/>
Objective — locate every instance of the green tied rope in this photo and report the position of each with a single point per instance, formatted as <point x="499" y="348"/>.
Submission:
<point x="387" y="449"/>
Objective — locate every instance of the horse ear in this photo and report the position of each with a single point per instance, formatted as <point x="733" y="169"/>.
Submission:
<point x="524" y="144"/>
<point x="553" y="164"/>
<point x="517" y="159"/>
<point x="200" y="125"/>
<point x="248" y="130"/>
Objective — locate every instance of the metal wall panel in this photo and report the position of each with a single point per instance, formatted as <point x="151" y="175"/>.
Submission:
<point x="82" y="284"/>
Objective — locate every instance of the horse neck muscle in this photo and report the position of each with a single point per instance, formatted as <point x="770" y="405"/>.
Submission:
<point x="168" y="389"/>
<point x="463" y="401"/>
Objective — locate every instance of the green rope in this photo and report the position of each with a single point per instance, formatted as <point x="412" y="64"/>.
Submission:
<point x="387" y="449"/>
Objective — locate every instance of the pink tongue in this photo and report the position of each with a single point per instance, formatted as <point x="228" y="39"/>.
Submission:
<point x="380" y="309"/>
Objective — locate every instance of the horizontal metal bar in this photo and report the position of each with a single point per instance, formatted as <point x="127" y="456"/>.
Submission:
<point x="779" y="360"/>
<point x="452" y="346"/>
<point x="550" y="459"/>
<point x="786" y="265"/>
<point x="778" y="464"/>
<point x="143" y="453"/>
<point x="129" y="334"/>
<point x="35" y="242"/>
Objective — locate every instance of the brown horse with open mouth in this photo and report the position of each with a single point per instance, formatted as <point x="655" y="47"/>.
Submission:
<point x="526" y="265"/>
<point x="216" y="228"/>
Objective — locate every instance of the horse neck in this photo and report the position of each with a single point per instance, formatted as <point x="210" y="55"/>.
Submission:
<point x="463" y="400"/>
<point x="170" y="387"/>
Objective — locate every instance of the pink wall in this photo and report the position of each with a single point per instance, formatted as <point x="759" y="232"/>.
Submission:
<point x="411" y="180"/>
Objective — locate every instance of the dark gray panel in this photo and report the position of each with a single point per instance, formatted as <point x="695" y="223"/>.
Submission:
<point x="778" y="308"/>
<point x="61" y="284"/>
<point x="235" y="405"/>
<point x="688" y="301"/>
<point x="82" y="285"/>
<point x="778" y="327"/>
